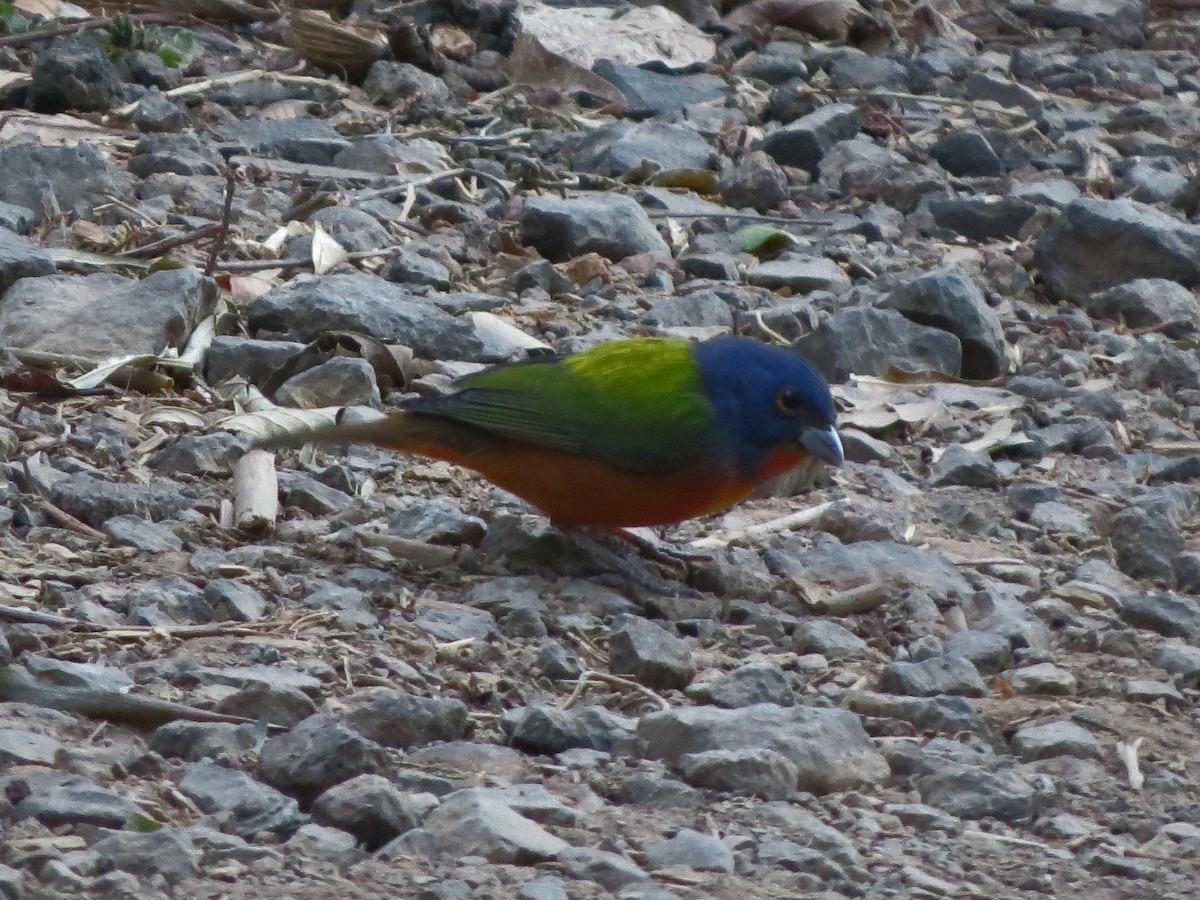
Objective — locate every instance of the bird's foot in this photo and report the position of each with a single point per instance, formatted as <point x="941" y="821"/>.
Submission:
<point x="660" y="551"/>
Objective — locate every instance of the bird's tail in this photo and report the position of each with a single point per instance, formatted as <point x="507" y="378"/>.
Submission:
<point x="411" y="432"/>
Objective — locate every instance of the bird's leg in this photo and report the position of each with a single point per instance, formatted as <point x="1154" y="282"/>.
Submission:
<point x="658" y="550"/>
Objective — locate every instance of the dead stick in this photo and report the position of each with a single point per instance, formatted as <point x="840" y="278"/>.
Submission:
<point x="226" y="216"/>
<point x="171" y="243"/>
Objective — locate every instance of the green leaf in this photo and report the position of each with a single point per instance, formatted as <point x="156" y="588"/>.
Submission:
<point x="764" y="240"/>
<point x="178" y="52"/>
<point x="142" y="824"/>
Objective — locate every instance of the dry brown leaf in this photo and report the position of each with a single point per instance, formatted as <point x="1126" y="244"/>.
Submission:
<point x="334" y="46"/>
<point x="452" y="41"/>
<point x="534" y="66"/>
<point x="827" y="20"/>
<point x="583" y="269"/>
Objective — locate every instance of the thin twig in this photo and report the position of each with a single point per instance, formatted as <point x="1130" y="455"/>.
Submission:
<point x="226" y="217"/>
<point x="61" y="516"/>
<point x="150" y="250"/>
<point x="593" y="677"/>
<point x="260" y="265"/>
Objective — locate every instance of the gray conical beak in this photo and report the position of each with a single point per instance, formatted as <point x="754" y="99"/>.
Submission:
<point x="824" y="444"/>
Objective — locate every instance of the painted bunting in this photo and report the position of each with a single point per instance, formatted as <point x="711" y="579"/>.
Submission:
<point x="645" y="431"/>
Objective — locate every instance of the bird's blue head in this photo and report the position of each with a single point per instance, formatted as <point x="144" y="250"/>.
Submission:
<point x="768" y="398"/>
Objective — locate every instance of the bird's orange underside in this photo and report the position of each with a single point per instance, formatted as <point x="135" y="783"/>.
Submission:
<point x="575" y="490"/>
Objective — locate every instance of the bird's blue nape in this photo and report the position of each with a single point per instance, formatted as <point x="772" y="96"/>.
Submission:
<point x="744" y="379"/>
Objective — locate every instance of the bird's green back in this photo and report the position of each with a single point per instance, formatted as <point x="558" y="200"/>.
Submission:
<point x="637" y="404"/>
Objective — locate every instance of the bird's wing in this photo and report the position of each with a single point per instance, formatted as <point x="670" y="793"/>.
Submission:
<point x="639" y="405"/>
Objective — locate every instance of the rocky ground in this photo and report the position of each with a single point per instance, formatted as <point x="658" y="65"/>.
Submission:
<point x="965" y="665"/>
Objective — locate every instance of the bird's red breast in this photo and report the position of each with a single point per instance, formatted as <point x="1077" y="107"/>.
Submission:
<point x="576" y="490"/>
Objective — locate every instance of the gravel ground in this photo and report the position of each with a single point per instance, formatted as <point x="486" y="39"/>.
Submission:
<point x="965" y="664"/>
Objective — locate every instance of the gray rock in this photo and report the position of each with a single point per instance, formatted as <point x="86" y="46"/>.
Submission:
<point x="234" y="601"/>
<point x="1059" y="518"/>
<point x="277" y="704"/>
<point x="1005" y="91"/>
<point x="354" y="229"/>
<point x="692" y="850"/>
<point x="71" y="179"/>
<point x="366" y="304"/>
<point x="701" y="309"/>
<point x="755" y="771"/>
<point x="17" y="219"/>
<point x="988" y="652"/>
<point x="1172" y="615"/>
<point x="389" y="154"/>
<point x="182" y="154"/>
<point x="557" y="662"/>
<point x="828" y="746"/>
<point x="612" y="225"/>
<point x="1181" y="660"/>
<point x="369" y="807"/>
<point x="1041" y="678"/>
<point x="866" y="341"/>
<point x="959" y="466"/>
<point x="435" y="522"/>
<point x="168" y="853"/>
<point x="854" y="564"/>
<point x="981" y="217"/>
<point x="255" y="360"/>
<point x="92" y="676"/>
<point x="747" y="685"/>
<point x="319" y="842"/>
<point x="194" y="741"/>
<point x="457" y="624"/>
<point x="26" y="748"/>
<point x="544" y="887"/>
<point x="410" y="267"/>
<point x="804" y="143"/>
<point x="1145" y="690"/>
<point x="12" y="883"/>
<point x="799" y="274"/>
<point x="610" y="870"/>
<point x="397" y="719"/>
<point x="1148" y="303"/>
<point x="74" y="802"/>
<point x="317" y="754"/>
<point x="966" y="152"/>
<point x="238" y="803"/>
<point x="659" y="792"/>
<point x="948" y="298"/>
<point x="650" y="653"/>
<point x="201" y="454"/>
<point x="974" y="793"/>
<point x="1034" y="742"/>
<point x="830" y="639"/>
<point x="1146" y="540"/>
<point x="547" y="729"/>
<point x="755" y="181"/>
<point x="391" y="83"/>
<point x="157" y="114"/>
<point x="615" y="149"/>
<point x="474" y="823"/>
<point x="299" y="140"/>
<point x="20" y="259"/>
<point x="111" y="315"/>
<point x="342" y="381"/>
<point x="650" y="93"/>
<point x="74" y="73"/>
<point x="306" y="493"/>
<point x="937" y="675"/>
<point x="1098" y="244"/>
<point x="1150" y="184"/>
<point x="147" y="537"/>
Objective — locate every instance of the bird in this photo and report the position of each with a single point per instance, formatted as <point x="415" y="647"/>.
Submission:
<point x="645" y="431"/>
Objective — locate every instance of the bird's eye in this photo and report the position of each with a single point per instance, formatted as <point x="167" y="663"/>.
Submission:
<point x="788" y="401"/>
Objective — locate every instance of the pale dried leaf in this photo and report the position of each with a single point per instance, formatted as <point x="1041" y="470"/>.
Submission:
<point x="327" y="254"/>
<point x="583" y="35"/>
<point x="172" y="415"/>
<point x="279" y="420"/>
<point x="107" y="369"/>
<point x="489" y="325"/>
<point x="535" y="66"/>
